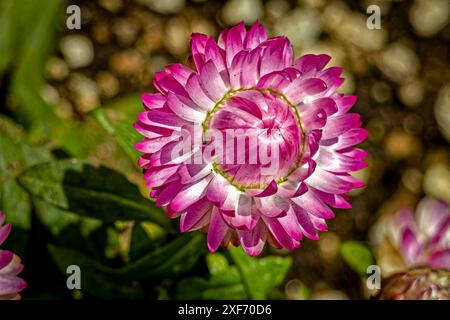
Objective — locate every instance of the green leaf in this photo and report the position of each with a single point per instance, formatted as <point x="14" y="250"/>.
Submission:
<point x="15" y="156"/>
<point x="141" y="242"/>
<point x="13" y="14"/>
<point x="56" y="219"/>
<point x="249" y="278"/>
<point x="260" y="276"/>
<point x="123" y="132"/>
<point x="177" y="257"/>
<point x="95" y="192"/>
<point x="357" y="255"/>
<point x="196" y="288"/>
<point x="225" y="282"/>
<point x="217" y="264"/>
<point x="97" y="279"/>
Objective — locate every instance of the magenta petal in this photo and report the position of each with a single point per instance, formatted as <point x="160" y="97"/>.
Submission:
<point x="305" y="223"/>
<point x="280" y="234"/>
<point x="233" y="40"/>
<point x="217" y="230"/>
<point x="165" y="83"/>
<point x="250" y="68"/>
<point x="351" y="138"/>
<point x="440" y="259"/>
<point x="255" y="36"/>
<point x="302" y="88"/>
<point x="246" y="215"/>
<point x="253" y="240"/>
<point x="313" y="205"/>
<point x="153" y="145"/>
<point x="339" y="124"/>
<point x="157" y="176"/>
<point x="276" y="56"/>
<point x="346" y="103"/>
<point x="4" y="232"/>
<point x="196" y="216"/>
<point x="198" y="43"/>
<point x="168" y="194"/>
<point x="313" y="118"/>
<point x="211" y="82"/>
<point x="276" y="80"/>
<point x="5" y="258"/>
<point x="190" y="194"/>
<point x="271" y="189"/>
<point x="11" y="284"/>
<point x="410" y="246"/>
<point x="197" y="94"/>
<point x="336" y="162"/>
<point x="217" y="190"/>
<point x="183" y="110"/>
<point x="236" y="69"/>
<point x="180" y="72"/>
<point x="329" y="182"/>
<point x="153" y="100"/>
<point x="326" y="104"/>
<point x="272" y="206"/>
<point x="192" y="172"/>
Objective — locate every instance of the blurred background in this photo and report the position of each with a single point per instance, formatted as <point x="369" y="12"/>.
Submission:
<point x="75" y="94"/>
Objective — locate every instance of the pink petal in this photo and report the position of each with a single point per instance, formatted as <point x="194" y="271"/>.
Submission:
<point x="4" y="232"/>
<point x="5" y="258"/>
<point x="183" y="110"/>
<point x="211" y="82"/>
<point x="253" y="240"/>
<point x="165" y="83"/>
<point x="153" y="145"/>
<point x="198" y="43"/>
<point x="410" y="246"/>
<point x="328" y="182"/>
<point x="313" y="205"/>
<point x="246" y="215"/>
<point x="339" y="124"/>
<point x="153" y="100"/>
<point x="276" y="56"/>
<point x="196" y="215"/>
<point x="198" y="95"/>
<point x="305" y="223"/>
<point x="255" y="36"/>
<point x="440" y="259"/>
<point x="301" y="88"/>
<point x="190" y="194"/>
<point x="168" y="194"/>
<point x="180" y="72"/>
<point x="336" y="162"/>
<point x="11" y="285"/>
<point x="276" y="80"/>
<point x="217" y="190"/>
<point x="157" y="176"/>
<point x="280" y="234"/>
<point x="217" y="230"/>
<point x="233" y="41"/>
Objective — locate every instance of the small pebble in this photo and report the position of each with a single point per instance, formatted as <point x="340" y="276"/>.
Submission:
<point x="77" y="50"/>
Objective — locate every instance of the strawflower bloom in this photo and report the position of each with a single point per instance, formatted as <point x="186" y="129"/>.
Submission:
<point x="423" y="238"/>
<point x="270" y="142"/>
<point x="10" y="267"/>
<point x="417" y="284"/>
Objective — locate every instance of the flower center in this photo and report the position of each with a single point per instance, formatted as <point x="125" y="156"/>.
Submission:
<point x="257" y="137"/>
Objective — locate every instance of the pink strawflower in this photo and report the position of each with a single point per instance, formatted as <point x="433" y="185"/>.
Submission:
<point x="290" y="112"/>
<point x="10" y="267"/>
<point x="423" y="239"/>
<point x="419" y="283"/>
